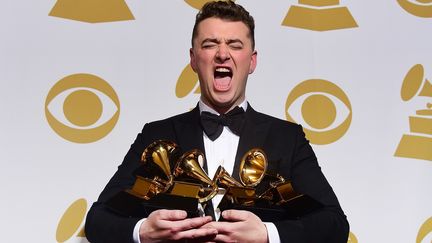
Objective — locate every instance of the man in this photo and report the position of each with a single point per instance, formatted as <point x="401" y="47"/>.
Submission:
<point x="223" y="55"/>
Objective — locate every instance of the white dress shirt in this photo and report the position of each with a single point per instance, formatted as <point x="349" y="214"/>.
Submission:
<point x="221" y="151"/>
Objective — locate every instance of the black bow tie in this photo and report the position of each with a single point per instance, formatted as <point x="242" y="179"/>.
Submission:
<point x="213" y="124"/>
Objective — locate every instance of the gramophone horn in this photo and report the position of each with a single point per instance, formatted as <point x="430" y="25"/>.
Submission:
<point x="188" y="165"/>
<point x="158" y="154"/>
<point x="253" y="167"/>
<point x="414" y="83"/>
<point x="223" y="179"/>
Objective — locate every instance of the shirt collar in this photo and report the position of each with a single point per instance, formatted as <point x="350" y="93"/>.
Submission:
<point x="203" y="107"/>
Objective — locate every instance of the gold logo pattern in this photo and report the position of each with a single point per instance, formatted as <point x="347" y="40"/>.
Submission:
<point x="92" y="11"/>
<point x="419" y="8"/>
<point x="187" y="82"/>
<point x="319" y="110"/>
<point x="425" y="230"/>
<point x="71" y="220"/>
<point x="198" y="4"/>
<point x="418" y="144"/>
<point x="82" y="108"/>
<point x="352" y="238"/>
<point x="319" y="15"/>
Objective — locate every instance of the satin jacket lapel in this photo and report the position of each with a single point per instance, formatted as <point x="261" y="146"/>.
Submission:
<point x="253" y="136"/>
<point x="189" y="132"/>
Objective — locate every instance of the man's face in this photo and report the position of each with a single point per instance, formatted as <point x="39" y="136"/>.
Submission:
<point x="223" y="57"/>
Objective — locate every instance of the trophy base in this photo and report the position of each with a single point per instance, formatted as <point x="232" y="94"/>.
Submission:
<point x="319" y="19"/>
<point x="127" y="204"/>
<point x="291" y="209"/>
<point x="416" y="147"/>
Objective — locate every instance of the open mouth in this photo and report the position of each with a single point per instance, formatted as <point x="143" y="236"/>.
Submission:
<point x="222" y="77"/>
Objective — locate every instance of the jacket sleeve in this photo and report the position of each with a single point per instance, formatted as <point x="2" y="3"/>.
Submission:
<point x="102" y="224"/>
<point x="327" y="224"/>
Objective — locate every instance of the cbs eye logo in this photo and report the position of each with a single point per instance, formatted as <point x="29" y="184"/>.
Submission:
<point x="71" y="221"/>
<point x="425" y="233"/>
<point x="323" y="106"/>
<point x="419" y="8"/>
<point x="82" y="108"/>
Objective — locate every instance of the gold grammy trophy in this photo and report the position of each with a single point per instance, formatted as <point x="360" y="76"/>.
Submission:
<point x="319" y="15"/>
<point x="157" y="186"/>
<point x="264" y="193"/>
<point x="418" y="144"/>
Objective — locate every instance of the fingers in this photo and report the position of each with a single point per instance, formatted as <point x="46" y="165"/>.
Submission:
<point x="186" y="224"/>
<point x="241" y="226"/>
<point x="200" y="233"/>
<point x="171" y="215"/>
<point x="236" y="215"/>
<point x="173" y="225"/>
<point x="222" y="227"/>
<point x="223" y="238"/>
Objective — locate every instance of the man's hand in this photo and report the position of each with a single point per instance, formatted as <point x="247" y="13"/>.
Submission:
<point x="168" y="225"/>
<point x="241" y="226"/>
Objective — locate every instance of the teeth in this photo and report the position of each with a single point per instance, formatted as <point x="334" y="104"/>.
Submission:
<point x="223" y="70"/>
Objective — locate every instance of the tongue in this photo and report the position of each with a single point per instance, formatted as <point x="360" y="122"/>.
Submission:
<point x="222" y="83"/>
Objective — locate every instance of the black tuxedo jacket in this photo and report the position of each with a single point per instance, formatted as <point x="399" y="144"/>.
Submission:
<point x="288" y="152"/>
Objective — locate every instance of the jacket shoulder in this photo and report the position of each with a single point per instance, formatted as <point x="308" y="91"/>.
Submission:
<point x="275" y="122"/>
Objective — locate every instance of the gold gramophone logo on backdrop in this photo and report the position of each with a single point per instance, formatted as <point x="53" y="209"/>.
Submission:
<point x="419" y="8"/>
<point x="82" y="108"/>
<point x="72" y="221"/>
<point x="319" y="15"/>
<point x="352" y="238"/>
<point x="92" y="11"/>
<point x="323" y="106"/>
<point x="417" y="144"/>
<point x="425" y="230"/>
<point x="187" y="82"/>
<point x="198" y="4"/>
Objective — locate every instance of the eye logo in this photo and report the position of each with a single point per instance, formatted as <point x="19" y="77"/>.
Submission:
<point x="418" y="144"/>
<point x="419" y="8"/>
<point x="352" y="238"/>
<point x="71" y="220"/>
<point x="319" y="15"/>
<point x="93" y="11"/>
<point x="425" y="230"/>
<point x="86" y="100"/>
<point x="198" y="4"/>
<point x="320" y="102"/>
<point x="187" y="82"/>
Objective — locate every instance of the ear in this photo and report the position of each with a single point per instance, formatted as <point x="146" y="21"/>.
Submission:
<point x="253" y="62"/>
<point x="192" y="59"/>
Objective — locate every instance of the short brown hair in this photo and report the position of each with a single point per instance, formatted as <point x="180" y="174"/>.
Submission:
<point x="225" y="10"/>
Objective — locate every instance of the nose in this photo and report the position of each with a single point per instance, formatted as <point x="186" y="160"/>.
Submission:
<point x="222" y="53"/>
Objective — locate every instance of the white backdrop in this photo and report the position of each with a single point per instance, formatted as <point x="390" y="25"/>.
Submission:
<point x="50" y="175"/>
